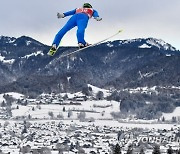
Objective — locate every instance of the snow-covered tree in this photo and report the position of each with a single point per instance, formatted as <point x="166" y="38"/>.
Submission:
<point x="70" y="113"/>
<point x="169" y="150"/>
<point x="142" y="151"/>
<point x="117" y="149"/>
<point x="82" y="116"/>
<point x="130" y="149"/>
<point x="156" y="150"/>
<point x="51" y="114"/>
<point x="100" y="95"/>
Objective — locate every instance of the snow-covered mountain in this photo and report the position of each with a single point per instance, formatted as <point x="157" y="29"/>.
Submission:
<point x="88" y="98"/>
<point x="24" y="63"/>
<point x="21" y="41"/>
<point x="123" y="66"/>
<point x="143" y="43"/>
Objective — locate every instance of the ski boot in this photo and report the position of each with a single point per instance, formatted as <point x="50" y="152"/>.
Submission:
<point x="81" y="45"/>
<point x="53" y="50"/>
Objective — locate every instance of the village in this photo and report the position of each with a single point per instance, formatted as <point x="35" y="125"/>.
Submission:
<point x="59" y="137"/>
<point x="76" y="124"/>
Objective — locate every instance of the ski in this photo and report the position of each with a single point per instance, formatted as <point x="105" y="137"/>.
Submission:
<point x="92" y="45"/>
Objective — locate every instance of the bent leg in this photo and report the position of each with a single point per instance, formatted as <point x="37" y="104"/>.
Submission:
<point x="68" y="26"/>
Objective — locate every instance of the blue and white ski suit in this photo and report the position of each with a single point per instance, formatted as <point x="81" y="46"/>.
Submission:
<point x="78" y="19"/>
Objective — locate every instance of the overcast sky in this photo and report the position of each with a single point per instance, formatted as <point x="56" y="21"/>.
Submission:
<point x="138" y="18"/>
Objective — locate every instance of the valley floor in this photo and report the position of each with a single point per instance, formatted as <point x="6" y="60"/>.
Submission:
<point x="79" y="126"/>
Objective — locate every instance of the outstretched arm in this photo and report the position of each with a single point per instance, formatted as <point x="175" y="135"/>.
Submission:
<point x="62" y="15"/>
<point x="72" y="12"/>
<point x="96" y="15"/>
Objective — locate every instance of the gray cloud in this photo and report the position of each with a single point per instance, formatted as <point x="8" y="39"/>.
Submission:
<point x="138" y="18"/>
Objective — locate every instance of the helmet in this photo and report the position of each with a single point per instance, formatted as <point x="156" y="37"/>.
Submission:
<point x="87" y="5"/>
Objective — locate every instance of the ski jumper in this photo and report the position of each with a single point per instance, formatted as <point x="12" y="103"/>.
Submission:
<point x="80" y="19"/>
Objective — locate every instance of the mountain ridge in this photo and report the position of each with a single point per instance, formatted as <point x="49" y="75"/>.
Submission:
<point x="100" y="65"/>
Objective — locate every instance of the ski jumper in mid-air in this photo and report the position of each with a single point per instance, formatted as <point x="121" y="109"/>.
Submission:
<point x="80" y="19"/>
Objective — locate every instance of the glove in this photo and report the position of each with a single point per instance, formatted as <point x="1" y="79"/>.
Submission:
<point x="98" y="19"/>
<point x="60" y="15"/>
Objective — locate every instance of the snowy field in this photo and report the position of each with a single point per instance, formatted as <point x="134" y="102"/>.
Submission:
<point x="109" y="123"/>
<point x="176" y="113"/>
<point x="102" y="111"/>
<point x="99" y="110"/>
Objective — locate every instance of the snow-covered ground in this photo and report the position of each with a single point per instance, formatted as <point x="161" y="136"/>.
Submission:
<point x="144" y="46"/>
<point x="96" y="90"/>
<point x="175" y="113"/>
<point x="34" y="54"/>
<point x="113" y="123"/>
<point x="12" y="94"/>
<point x="96" y="109"/>
<point x="102" y="116"/>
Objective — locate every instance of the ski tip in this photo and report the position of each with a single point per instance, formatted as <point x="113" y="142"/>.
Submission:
<point x="120" y="31"/>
